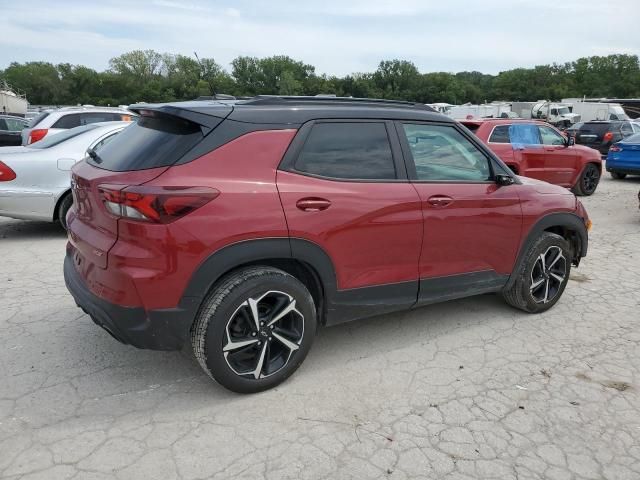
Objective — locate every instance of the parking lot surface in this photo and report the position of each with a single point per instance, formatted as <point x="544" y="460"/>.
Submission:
<point x="461" y="390"/>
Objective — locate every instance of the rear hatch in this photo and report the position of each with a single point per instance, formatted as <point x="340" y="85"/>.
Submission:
<point x="162" y="136"/>
<point x="592" y="133"/>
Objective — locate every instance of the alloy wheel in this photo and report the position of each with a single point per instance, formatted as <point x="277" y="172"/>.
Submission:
<point x="548" y="273"/>
<point x="590" y="179"/>
<point x="263" y="334"/>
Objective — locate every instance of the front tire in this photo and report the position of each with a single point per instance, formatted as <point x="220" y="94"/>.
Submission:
<point x="618" y="176"/>
<point x="588" y="181"/>
<point x="542" y="276"/>
<point x="254" y="329"/>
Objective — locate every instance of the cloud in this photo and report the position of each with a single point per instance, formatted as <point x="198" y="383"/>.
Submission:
<point x="337" y="37"/>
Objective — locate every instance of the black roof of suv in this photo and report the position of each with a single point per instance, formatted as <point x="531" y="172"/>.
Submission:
<point x="294" y="110"/>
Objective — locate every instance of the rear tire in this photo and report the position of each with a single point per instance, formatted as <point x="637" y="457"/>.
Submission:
<point x="588" y="180"/>
<point x="542" y="277"/>
<point x="63" y="208"/>
<point x="618" y="176"/>
<point x="254" y="329"/>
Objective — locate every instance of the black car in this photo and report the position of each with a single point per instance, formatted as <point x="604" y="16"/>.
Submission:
<point x="601" y="134"/>
<point x="10" y="130"/>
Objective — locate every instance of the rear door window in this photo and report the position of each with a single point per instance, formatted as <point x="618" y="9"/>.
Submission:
<point x="150" y="142"/>
<point x="348" y="150"/>
<point x="3" y="124"/>
<point x="441" y="153"/>
<point x="524" y="134"/>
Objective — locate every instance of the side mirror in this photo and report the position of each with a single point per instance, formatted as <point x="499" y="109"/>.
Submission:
<point x="570" y="141"/>
<point x="504" y="180"/>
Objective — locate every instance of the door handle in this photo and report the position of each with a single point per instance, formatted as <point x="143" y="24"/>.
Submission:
<point x="313" y="204"/>
<point x="440" y="200"/>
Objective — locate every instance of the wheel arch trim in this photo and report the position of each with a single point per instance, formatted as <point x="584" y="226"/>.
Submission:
<point x="566" y="220"/>
<point x="226" y="259"/>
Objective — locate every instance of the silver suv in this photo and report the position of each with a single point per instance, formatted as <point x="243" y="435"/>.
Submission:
<point x="51" y="122"/>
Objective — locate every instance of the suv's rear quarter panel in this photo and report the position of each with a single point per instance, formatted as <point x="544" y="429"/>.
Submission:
<point x="161" y="259"/>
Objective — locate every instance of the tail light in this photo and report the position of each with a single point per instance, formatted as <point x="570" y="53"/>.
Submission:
<point x="6" y="174"/>
<point x="608" y="137"/>
<point x="615" y="148"/>
<point x="154" y="204"/>
<point x="37" y="134"/>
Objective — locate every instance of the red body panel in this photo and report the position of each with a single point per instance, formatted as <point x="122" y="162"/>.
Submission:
<point x="479" y="230"/>
<point x="375" y="233"/>
<point x="160" y="259"/>
<point x="371" y="231"/>
<point x="559" y="165"/>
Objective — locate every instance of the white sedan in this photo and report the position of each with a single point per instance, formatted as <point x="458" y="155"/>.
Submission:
<point x="35" y="180"/>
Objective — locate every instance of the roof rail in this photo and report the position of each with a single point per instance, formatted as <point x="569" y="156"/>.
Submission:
<point x="326" y="100"/>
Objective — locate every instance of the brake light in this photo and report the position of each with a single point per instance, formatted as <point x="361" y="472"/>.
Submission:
<point x="154" y="204"/>
<point x="608" y="137"/>
<point x="615" y="148"/>
<point x="37" y="134"/>
<point x="6" y="174"/>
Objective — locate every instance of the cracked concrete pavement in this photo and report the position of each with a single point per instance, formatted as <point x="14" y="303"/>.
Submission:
<point x="461" y="390"/>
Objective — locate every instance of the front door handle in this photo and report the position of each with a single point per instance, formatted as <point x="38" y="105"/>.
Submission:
<point x="313" y="204"/>
<point x="440" y="200"/>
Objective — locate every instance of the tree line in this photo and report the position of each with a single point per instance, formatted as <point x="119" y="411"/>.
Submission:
<point x="150" y="76"/>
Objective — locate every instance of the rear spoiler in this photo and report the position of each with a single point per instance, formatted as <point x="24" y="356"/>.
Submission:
<point x="208" y="117"/>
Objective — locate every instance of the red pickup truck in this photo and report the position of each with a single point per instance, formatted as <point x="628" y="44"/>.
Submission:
<point x="535" y="149"/>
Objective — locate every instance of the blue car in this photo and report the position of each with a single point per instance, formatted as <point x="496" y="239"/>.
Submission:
<point x="624" y="157"/>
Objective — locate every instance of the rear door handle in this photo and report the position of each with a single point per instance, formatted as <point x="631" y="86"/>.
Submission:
<point x="313" y="204"/>
<point x="440" y="200"/>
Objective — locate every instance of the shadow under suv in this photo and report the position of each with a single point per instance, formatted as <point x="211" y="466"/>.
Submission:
<point x="241" y="228"/>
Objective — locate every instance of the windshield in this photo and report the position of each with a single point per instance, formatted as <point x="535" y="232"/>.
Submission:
<point x="564" y="111"/>
<point x="635" y="138"/>
<point x="58" y="138"/>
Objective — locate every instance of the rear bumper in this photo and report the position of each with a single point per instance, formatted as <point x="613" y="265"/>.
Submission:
<point x="630" y="168"/>
<point x="166" y="329"/>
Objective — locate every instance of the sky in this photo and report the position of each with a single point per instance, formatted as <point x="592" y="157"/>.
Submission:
<point x="337" y="37"/>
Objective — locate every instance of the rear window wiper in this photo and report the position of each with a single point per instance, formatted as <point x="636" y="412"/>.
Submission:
<point x="94" y="155"/>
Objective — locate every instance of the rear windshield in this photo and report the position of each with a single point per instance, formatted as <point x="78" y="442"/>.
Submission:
<point x="57" y="138"/>
<point x="150" y="142"/>
<point x="599" y="127"/>
<point x="37" y="119"/>
<point x="635" y="138"/>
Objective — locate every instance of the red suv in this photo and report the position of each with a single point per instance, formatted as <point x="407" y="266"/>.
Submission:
<point x="535" y="149"/>
<point x="240" y="228"/>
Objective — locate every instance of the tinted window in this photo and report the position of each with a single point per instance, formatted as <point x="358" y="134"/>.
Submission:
<point x="3" y="124"/>
<point x="442" y="153"/>
<point x="550" y="136"/>
<point x="76" y="119"/>
<point x="98" y="146"/>
<point x="148" y="143"/>
<point x="348" y="150"/>
<point x="500" y="134"/>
